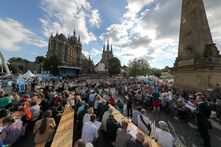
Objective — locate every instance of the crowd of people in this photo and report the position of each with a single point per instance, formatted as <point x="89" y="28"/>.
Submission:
<point x="41" y="108"/>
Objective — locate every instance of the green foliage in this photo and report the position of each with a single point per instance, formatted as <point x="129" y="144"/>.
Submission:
<point x="167" y="75"/>
<point x="156" y="72"/>
<point x="87" y="66"/>
<point x="17" y="59"/>
<point x="51" y="64"/>
<point x="114" y="66"/>
<point x="39" y="59"/>
<point x="139" y="67"/>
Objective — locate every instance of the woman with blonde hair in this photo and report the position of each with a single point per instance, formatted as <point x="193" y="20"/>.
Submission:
<point x="86" y="118"/>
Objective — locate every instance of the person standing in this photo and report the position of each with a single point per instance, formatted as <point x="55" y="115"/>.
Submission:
<point x="138" y="142"/>
<point x="129" y="104"/>
<point x="90" y="130"/>
<point x="203" y="112"/>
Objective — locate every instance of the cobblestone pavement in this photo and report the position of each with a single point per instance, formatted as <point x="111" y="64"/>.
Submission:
<point x="185" y="132"/>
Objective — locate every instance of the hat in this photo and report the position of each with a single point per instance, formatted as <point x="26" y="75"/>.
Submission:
<point x="26" y="97"/>
<point x="163" y="125"/>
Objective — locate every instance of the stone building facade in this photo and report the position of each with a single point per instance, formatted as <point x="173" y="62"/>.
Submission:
<point x="107" y="55"/>
<point x="68" y="50"/>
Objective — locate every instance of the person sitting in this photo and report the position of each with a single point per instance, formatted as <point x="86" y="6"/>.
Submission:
<point x="90" y="130"/>
<point x="79" y="143"/>
<point x="138" y="142"/>
<point x="163" y="137"/>
<point x="12" y="131"/>
<point x="44" y="129"/>
<point x="5" y="101"/>
<point x="87" y="115"/>
<point x="112" y="126"/>
<point x="81" y="108"/>
<point x="144" y="122"/>
<point x="105" y="118"/>
<point x="111" y="100"/>
<point x="102" y="108"/>
<point x="136" y="113"/>
<point x="119" y="106"/>
<point x="123" y="135"/>
<point x="35" y="111"/>
<point x="96" y="104"/>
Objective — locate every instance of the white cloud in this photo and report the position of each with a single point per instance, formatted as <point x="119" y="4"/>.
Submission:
<point x="150" y="28"/>
<point x="93" y="53"/>
<point x="95" y="18"/>
<point x="66" y="15"/>
<point x="13" y="32"/>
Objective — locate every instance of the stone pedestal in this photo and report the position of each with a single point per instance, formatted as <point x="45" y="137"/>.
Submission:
<point x="198" y="75"/>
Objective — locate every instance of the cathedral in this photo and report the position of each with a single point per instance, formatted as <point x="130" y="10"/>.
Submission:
<point x="107" y="55"/>
<point x="68" y="50"/>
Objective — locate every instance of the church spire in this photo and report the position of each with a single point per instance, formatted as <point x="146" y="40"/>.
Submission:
<point x="89" y="58"/>
<point x="108" y="44"/>
<point x="74" y="33"/>
<point x="79" y="39"/>
<point x="104" y="47"/>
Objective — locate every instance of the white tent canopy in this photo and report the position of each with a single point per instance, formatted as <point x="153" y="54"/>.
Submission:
<point x="28" y="74"/>
<point x="140" y="78"/>
<point x="151" y="77"/>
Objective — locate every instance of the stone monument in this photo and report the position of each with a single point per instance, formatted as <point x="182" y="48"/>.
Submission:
<point x="198" y="65"/>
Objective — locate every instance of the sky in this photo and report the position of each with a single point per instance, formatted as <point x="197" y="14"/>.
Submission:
<point x="146" y="29"/>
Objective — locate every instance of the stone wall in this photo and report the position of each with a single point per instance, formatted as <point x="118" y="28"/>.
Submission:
<point x="198" y="78"/>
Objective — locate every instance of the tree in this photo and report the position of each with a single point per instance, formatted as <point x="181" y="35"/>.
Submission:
<point x="51" y="64"/>
<point x="114" y="66"/>
<point x="138" y="67"/>
<point x="39" y="59"/>
<point x="17" y="59"/>
<point x="156" y="72"/>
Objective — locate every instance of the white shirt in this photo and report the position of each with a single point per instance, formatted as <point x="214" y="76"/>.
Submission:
<point x="104" y="119"/>
<point x="35" y="111"/>
<point x="164" y="138"/>
<point x="89" y="132"/>
<point x="134" y="116"/>
<point x="141" y="125"/>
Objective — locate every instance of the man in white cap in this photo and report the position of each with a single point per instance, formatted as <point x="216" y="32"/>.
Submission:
<point x="163" y="137"/>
